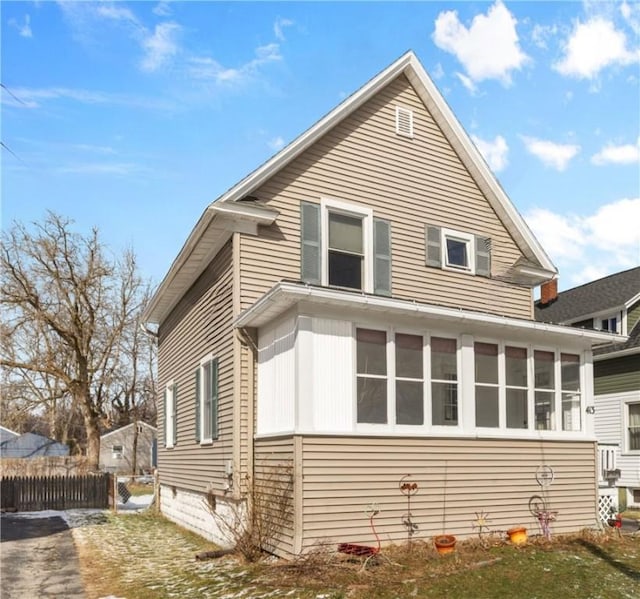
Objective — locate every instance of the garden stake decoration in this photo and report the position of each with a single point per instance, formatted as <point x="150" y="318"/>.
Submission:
<point x="364" y="550"/>
<point x="539" y="504"/>
<point x="408" y="489"/>
<point x="481" y="523"/>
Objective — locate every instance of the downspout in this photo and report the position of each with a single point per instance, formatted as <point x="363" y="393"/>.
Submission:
<point x="246" y="339"/>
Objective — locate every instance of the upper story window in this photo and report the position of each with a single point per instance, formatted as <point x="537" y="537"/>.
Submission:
<point x="633" y="427"/>
<point x="343" y="245"/>
<point x="170" y="411"/>
<point x="346" y="258"/>
<point x="117" y="452"/>
<point x="459" y="251"/>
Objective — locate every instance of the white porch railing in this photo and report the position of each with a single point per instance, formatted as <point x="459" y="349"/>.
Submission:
<point x="607" y="476"/>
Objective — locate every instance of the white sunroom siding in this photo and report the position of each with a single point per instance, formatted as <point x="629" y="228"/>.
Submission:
<point x="276" y="377"/>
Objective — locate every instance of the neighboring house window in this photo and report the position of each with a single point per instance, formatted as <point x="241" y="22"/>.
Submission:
<point x="117" y="452"/>
<point x="459" y="251"/>
<point x="544" y="369"/>
<point x="444" y="382"/>
<point x="170" y="412"/>
<point x="207" y="400"/>
<point x="609" y="324"/>
<point x="342" y="245"/>
<point x="487" y="388"/>
<point x="633" y="429"/>
<point x="570" y="386"/>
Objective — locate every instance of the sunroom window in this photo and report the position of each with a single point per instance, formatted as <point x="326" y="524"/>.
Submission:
<point x="371" y="376"/>
<point x="570" y="381"/>
<point x="444" y="382"/>
<point x="544" y="366"/>
<point x="409" y="379"/>
<point x="516" y="387"/>
<point x="634" y="427"/>
<point x="487" y="388"/>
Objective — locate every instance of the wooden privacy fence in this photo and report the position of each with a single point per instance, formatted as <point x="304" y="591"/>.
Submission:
<point x="34" y="493"/>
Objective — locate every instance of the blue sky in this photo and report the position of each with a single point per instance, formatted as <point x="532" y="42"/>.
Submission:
<point x="133" y="116"/>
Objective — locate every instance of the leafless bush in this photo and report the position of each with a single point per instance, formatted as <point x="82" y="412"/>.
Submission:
<point x="257" y="524"/>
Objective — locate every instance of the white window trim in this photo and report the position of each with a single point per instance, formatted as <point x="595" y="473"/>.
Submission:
<point x="169" y="415"/>
<point x="471" y="250"/>
<point x="366" y="214"/>
<point x="626" y="449"/>
<point x="203" y="361"/>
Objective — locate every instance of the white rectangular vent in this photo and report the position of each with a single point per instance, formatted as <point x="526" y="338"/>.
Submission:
<point x="404" y="121"/>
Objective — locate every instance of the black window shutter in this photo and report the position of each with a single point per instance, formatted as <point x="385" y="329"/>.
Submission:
<point x="214" y="399"/>
<point x="433" y="245"/>
<point x="483" y="256"/>
<point x="198" y="437"/>
<point x="381" y="256"/>
<point x="310" y="258"/>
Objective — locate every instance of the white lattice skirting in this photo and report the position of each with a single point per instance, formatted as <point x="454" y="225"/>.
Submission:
<point x="607" y="506"/>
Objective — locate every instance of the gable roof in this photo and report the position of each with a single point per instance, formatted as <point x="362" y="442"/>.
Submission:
<point x="609" y="293"/>
<point x="30" y="445"/>
<point x="534" y="269"/>
<point x="126" y="426"/>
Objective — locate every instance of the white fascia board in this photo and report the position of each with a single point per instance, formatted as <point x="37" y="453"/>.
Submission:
<point x="632" y="301"/>
<point x="284" y="295"/>
<point x="217" y="223"/>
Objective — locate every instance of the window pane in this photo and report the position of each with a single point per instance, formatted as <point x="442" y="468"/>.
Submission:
<point x="345" y="233"/>
<point x="544" y="366"/>
<point x="634" y="426"/>
<point x="345" y="270"/>
<point x="443" y="359"/>
<point x="372" y="400"/>
<point x="409" y="403"/>
<point x="457" y="253"/>
<point x="409" y="356"/>
<point x="486" y="355"/>
<point x="544" y="410"/>
<point x="570" y="368"/>
<point x="372" y="351"/>
<point x="517" y="416"/>
<point x="444" y="404"/>
<point x="571" y="412"/>
<point x="516" y="366"/>
<point x="487" y="406"/>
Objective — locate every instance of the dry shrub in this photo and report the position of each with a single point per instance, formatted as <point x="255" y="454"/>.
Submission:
<point x="45" y="466"/>
<point x="257" y="525"/>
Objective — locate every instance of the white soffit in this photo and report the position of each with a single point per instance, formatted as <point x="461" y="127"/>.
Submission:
<point x="285" y="295"/>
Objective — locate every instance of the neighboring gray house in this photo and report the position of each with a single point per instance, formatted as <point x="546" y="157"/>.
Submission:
<point x="31" y="445"/>
<point x="6" y="434"/>
<point x="116" y="449"/>
<point x="610" y="304"/>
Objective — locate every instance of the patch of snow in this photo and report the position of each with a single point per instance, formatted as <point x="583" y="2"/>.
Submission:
<point x="136" y="503"/>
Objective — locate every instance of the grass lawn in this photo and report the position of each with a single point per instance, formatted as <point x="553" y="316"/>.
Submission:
<point x="144" y="557"/>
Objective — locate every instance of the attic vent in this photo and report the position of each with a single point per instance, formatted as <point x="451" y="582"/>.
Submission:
<point x="404" y="121"/>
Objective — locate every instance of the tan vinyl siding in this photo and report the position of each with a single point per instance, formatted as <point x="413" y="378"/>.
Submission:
<point x="199" y="325"/>
<point x="343" y="476"/>
<point x="411" y="182"/>
<point x="617" y="375"/>
<point x="273" y="458"/>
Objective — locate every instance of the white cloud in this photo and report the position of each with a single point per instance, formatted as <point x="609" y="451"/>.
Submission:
<point x="631" y="14"/>
<point x="160" y="47"/>
<point x="592" y="47"/>
<point x="488" y="49"/>
<point x="99" y="168"/>
<point x="495" y="152"/>
<point x="276" y="143"/>
<point x="115" y="13"/>
<point x="541" y="33"/>
<point x="278" y="27"/>
<point x="209" y="69"/>
<point x="623" y="154"/>
<point x="552" y="154"/>
<point x="467" y="82"/>
<point x="437" y="72"/>
<point x="593" y="245"/>
<point x="162" y="9"/>
<point x="24" y="29"/>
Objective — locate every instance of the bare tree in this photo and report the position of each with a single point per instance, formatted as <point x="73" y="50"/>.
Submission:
<point x="66" y="307"/>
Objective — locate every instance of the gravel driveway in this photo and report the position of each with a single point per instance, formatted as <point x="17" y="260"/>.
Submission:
<point x="38" y="559"/>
